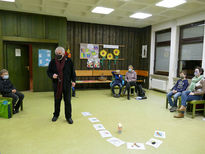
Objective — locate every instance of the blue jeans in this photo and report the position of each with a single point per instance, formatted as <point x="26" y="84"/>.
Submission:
<point x="186" y="97"/>
<point x="169" y="97"/>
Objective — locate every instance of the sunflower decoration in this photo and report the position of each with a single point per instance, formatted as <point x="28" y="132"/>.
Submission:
<point x="103" y="54"/>
<point x="109" y="57"/>
<point x="67" y="53"/>
<point x="116" y="52"/>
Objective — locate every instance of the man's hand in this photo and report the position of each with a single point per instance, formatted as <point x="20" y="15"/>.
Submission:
<point x="73" y="84"/>
<point x="14" y="91"/>
<point x="55" y="76"/>
<point x="174" y="91"/>
<point x="191" y="93"/>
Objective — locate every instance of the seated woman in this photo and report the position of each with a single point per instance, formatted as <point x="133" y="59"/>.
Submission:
<point x="130" y="80"/>
<point x="117" y="82"/>
<point x="177" y="90"/>
<point x="195" y="91"/>
<point x="7" y="90"/>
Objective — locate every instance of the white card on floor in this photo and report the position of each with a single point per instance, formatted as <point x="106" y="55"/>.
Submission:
<point x="105" y="133"/>
<point x="154" y="142"/>
<point x="203" y="119"/>
<point x="135" y="146"/>
<point x="115" y="141"/>
<point x="94" y="120"/>
<point x="86" y="114"/>
<point x="98" y="126"/>
<point x="159" y="134"/>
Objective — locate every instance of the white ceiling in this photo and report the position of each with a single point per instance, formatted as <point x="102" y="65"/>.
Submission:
<point x="80" y="10"/>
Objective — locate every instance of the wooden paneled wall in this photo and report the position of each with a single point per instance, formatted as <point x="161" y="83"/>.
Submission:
<point x="41" y="31"/>
<point x="131" y="38"/>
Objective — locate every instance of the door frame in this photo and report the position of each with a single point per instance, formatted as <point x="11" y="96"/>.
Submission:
<point x="28" y="42"/>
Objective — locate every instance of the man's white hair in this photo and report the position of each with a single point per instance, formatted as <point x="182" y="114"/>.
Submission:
<point x="61" y="49"/>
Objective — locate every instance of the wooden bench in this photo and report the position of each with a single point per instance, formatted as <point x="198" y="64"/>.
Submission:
<point x="105" y="73"/>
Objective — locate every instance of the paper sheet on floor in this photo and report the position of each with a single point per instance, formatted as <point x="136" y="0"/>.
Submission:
<point x="98" y="126"/>
<point x="93" y="120"/>
<point x="105" y="133"/>
<point x="154" y="142"/>
<point x="135" y="146"/>
<point x="159" y="134"/>
<point x="115" y="141"/>
<point x="203" y="119"/>
<point x="86" y="114"/>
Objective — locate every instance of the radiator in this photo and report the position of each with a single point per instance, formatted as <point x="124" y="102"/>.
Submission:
<point x="159" y="84"/>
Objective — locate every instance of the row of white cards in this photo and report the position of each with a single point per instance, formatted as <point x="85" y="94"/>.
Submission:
<point x="117" y="142"/>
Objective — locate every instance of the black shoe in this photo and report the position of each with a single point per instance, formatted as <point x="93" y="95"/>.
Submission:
<point x="173" y="109"/>
<point x="115" y="95"/>
<point x="14" y="112"/>
<point x="144" y="97"/>
<point x="118" y="95"/>
<point x="54" y="118"/>
<point x="70" y="121"/>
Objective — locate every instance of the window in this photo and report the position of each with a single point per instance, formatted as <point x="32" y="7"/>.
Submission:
<point x="190" y="47"/>
<point x="162" y="52"/>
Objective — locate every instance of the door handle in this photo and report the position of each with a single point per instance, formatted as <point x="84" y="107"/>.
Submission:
<point x="27" y="67"/>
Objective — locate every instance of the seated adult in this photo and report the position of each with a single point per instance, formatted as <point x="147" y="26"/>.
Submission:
<point x="177" y="90"/>
<point x="130" y="80"/>
<point x="117" y="82"/>
<point x="8" y="90"/>
<point x="198" y="83"/>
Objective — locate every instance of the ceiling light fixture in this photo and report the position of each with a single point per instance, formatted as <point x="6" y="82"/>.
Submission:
<point x="102" y="10"/>
<point x="140" y="15"/>
<point x="170" y="3"/>
<point x="8" y="0"/>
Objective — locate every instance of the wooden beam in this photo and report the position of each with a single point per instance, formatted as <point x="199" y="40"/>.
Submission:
<point x="24" y="39"/>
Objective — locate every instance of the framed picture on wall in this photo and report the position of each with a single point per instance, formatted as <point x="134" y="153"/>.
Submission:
<point x="144" y="51"/>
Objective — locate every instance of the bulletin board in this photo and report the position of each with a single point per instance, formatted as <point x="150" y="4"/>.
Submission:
<point x="44" y="57"/>
<point x="89" y="51"/>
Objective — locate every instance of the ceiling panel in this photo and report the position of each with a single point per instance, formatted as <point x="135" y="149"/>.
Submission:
<point x="80" y="10"/>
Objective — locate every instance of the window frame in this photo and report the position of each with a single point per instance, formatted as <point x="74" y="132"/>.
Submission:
<point x="161" y="44"/>
<point x="185" y="41"/>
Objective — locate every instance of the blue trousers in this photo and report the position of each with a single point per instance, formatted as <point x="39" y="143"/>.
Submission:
<point x="175" y="96"/>
<point x="186" y="97"/>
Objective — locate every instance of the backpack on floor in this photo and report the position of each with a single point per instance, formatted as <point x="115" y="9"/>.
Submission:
<point x="5" y="109"/>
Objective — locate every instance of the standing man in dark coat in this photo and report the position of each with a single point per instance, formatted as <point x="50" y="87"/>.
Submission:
<point x="62" y="73"/>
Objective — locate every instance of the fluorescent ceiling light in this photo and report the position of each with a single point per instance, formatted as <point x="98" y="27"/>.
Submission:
<point x="8" y="0"/>
<point x="170" y="3"/>
<point x="102" y="10"/>
<point x="140" y="15"/>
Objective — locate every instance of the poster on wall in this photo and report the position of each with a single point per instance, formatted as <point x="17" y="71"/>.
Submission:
<point x="89" y="51"/>
<point x="144" y="51"/>
<point x="44" y="57"/>
<point x="18" y="52"/>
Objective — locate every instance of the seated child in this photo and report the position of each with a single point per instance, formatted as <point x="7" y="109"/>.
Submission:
<point x="117" y="82"/>
<point x="177" y="90"/>
<point x="131" y="80"/>
<point x="7" y="90"/>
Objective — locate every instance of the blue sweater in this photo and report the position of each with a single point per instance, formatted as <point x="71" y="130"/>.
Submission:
<point x="118" y="78"/>
<point x="181" y="85"/>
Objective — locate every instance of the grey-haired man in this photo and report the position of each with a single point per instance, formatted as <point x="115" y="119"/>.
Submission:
<point x="62" y="73"/>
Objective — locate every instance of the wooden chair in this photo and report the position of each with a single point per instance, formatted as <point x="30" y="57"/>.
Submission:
<point x="194" y="109"/>
<point x="194" y="103"/>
